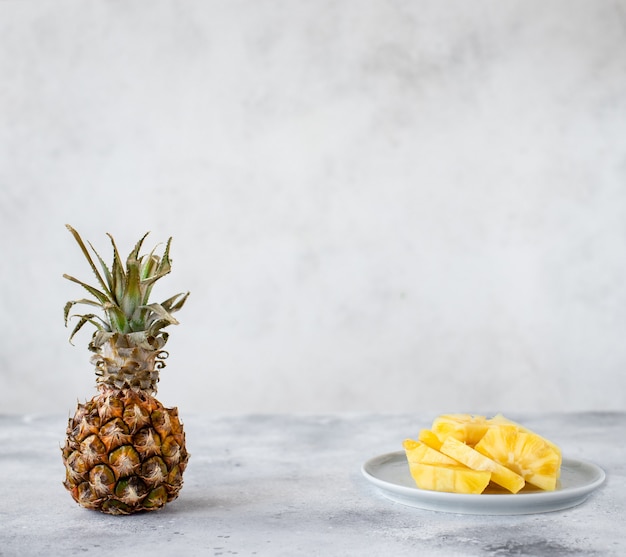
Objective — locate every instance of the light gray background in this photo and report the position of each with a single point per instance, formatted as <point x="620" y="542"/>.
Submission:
<point x="376" y="205"/>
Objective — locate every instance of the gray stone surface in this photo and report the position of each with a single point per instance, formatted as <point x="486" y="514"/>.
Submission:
<point x="291" y="485"/>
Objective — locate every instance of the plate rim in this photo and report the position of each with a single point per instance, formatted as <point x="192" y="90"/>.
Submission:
<point x="486" y="503"/>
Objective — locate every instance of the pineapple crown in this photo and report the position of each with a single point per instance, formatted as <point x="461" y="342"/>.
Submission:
<point x="123" y="296"/>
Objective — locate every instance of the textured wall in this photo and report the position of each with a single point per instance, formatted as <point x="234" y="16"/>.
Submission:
<point x="381" y="205"/>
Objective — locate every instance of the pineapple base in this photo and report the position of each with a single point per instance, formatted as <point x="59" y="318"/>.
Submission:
<point x="124" y="453"/>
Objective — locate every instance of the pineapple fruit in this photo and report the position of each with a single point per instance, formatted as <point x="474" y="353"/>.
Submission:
<point x="524" y="452"/>
<point x="448" y="456"/>
<point x="474" y="460"/>
<point x="124" y="451"/>
<point x="421" y="453"/>
<point x="450" y="478"/>
<point x="464" y="427"/>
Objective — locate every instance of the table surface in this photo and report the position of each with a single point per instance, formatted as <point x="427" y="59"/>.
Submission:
<point x="292" y="485"/>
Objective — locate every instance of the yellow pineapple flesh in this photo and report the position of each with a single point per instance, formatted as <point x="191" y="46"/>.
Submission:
<point x="449" y="478"/>
<point x="465" y="427"/>
<point x="422" y="453"/>
<point x="499" y="419"/>
<point x="525" y="453"/>
<point x="427" y="437"/>
<point x="465" y="454"/>
<point x="509" y="453"/>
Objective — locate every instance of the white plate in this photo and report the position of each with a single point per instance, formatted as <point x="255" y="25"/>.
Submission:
<point x="390" y="473"/>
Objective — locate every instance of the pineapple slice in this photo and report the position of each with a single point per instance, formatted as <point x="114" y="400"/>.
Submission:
<point x="508" y="453"/>
<point x="427" y="437"/>
<point x="499" y="419"/>
<point x="464" y="427"/>
<point x="449" y="478"/>
<point x="423" y="454"/>
<point x="500" y="474"/>
<point x="524" y="452"/>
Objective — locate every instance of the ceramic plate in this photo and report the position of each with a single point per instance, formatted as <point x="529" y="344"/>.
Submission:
<point x="390" y="474"/>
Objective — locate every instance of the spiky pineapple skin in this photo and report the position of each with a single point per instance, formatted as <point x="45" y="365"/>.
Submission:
<point x="124" y="452"/>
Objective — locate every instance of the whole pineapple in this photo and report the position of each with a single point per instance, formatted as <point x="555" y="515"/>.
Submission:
<point x="125" y="452"/>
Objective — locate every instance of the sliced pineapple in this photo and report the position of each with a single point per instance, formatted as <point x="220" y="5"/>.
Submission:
<point x="449" y="478"/>
<point x="423" y="454"/>
<point x="499" y="419"/>
<point x="471" y="458"/>
<point x="524" y="452"/>
<point x="511" y="454"/>
<point x="466" y="428"/>
<point x="427" y="437"/>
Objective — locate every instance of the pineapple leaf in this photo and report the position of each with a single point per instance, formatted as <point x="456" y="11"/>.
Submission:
<point x="132" y="298"/>
<point x="165" y="265"/>
<point x="69" y="306"/>
<point x="148" y="264"/>
<point x="66" y="311"/>
<point x="102" y="297"/>
<point x="91" y="318"/>
<point x="124" y="290"/>
<point x="117" y="317"/>
<point x="88" y="257"/>
<point x="147" y="285"/>
<point x="134" y="255"/>
<point x="132" y="290"/>
<point x="99" y="338"/>
<point x="172" y="305"/>
<point x="117" y="270"/>
<point x="142" y="339"/>
<point x="105" y="269"/>
<point x="150" y="275"/>
<point x="156" y="326"/>
<point x="158" y="313"/>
